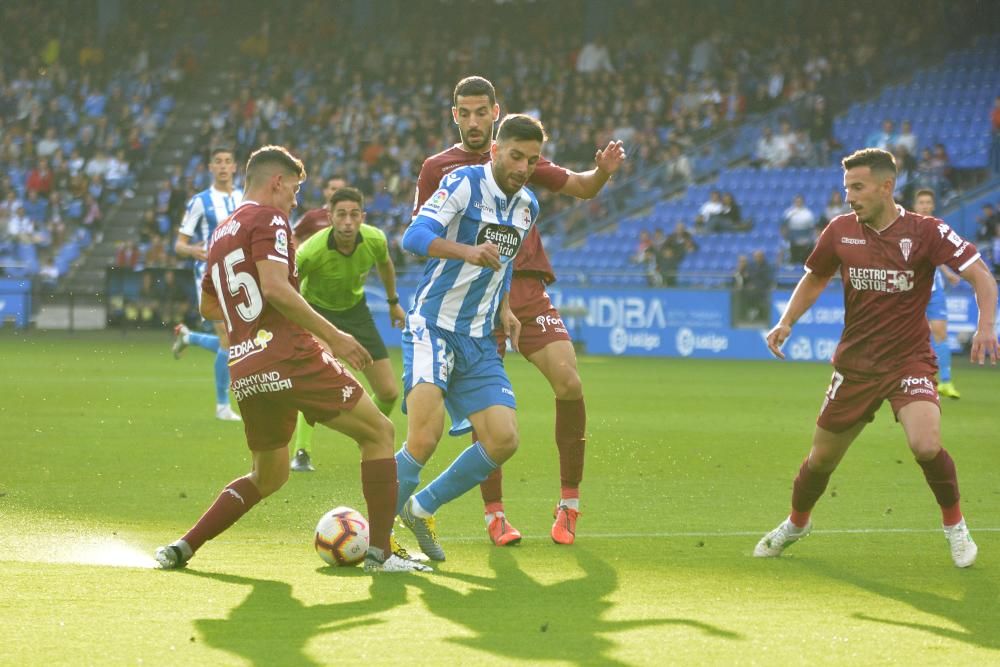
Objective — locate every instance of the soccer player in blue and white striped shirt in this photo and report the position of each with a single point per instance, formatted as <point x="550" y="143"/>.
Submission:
<point x="470" y="229"/>
<point x="204" y="213"/>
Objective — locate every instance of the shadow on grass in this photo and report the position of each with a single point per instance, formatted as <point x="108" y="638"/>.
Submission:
<point x="271" y="627"/>
<point x="513" y="616"/>
<point x="510" y="615"/>
<point x="975" y="611"/>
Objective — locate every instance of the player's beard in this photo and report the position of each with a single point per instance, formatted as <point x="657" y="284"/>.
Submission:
<point x="478" y="144"/>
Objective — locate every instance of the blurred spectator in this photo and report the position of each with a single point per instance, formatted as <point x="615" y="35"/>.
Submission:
<point x="594" y="57"/>
<point x="127" y="255"/>
<point x="987" y="225"/>
<point x="884" y="138"/>
<point x="906" y="139"/>
<point x="821" y="130"/>
<point x="784" y="141"/>
<point x="799" y="230"/>
<point x="731" y="217"/>
<point x="645" y="243"/>
<point x="835" y="206"/>
<point x="708" y="210"/>
<point x="678" y="167"/>
<point x="681" y="241"/>
<point x="757" y="289"/>
<point x="40" y="179"/>
<point x="667" y="261"/>
<point x="767" y="153"/>
<point x="48" y="275"/>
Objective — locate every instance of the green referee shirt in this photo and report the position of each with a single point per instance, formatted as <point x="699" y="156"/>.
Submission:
<point x="333" y="280"/>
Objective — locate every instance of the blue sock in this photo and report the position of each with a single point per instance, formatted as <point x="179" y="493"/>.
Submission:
<point x="221" y="376"/>
<point x="408" y="474"/>
<point x="208" y="341"/>
<point x="943" y="352"/>
<point x="466" y="472"/>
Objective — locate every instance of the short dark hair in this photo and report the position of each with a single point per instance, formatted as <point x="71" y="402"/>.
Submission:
<point x="347" y="194"/>
<point x="875" y="159"/>
<point x="271" y="157"/>
<point x="922" y="192"/>
<point x="474" y="85"/>
<point x="521" y="127"/>
<point x="220" y="149"/>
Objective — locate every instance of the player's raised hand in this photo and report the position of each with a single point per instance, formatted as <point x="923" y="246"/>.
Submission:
<point x="611" y="157"/>
<point x="484" y="254"/>
<point x="984" y="346"/>
<point x="776" y="337"/>
<point x="511" y="326"/>
<point x="346" y="347"/>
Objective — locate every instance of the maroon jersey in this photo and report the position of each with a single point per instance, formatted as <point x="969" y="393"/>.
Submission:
<point x="887" y="283"/>
<point x="259" y="336"/>
<point x="311" y="222"/>
<point x="531" y="258"/>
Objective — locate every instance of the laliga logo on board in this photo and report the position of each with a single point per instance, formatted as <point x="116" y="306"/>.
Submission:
<point x="688" y="342"/>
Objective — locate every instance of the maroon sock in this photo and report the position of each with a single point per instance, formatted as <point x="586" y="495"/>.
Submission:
<point x="809" y="486"/>
<point x="492" y="487"/>
<point x="235" y="500"/>
<point x="379" y="485"/>
<point x="571" y="439"/>
<point x="942" y="478"/>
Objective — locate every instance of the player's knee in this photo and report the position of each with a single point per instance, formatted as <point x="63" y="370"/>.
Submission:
<point x="925" y="446"/>
<point x="569" y="386"/>
<point x="421" y="446"/>
<point x="388" y="394"/>
<point x="502" y="445"/>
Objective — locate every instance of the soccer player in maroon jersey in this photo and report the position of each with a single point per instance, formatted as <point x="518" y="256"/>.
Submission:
<point x="886" y="257"/>
<point x="279" y="368"/>
<point x="318" y="218"/>
<point x="544" y="340"/>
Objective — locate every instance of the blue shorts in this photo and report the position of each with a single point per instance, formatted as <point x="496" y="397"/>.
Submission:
<point x="937" y="307"/>
<point x="468" y="370"/>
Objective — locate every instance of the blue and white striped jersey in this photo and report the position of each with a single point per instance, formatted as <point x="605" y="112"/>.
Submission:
<point x="469" y="207"/>
<point x="204" y="213"/>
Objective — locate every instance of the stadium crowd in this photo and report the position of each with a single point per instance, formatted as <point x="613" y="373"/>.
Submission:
<point x="314" y="82"/>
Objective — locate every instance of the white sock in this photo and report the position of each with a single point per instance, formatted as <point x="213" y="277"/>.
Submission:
<point x="184" y="547"/>
<point x="490" y="516"/>
<point x="570" y="503"/>
<point x="418" y="510"/>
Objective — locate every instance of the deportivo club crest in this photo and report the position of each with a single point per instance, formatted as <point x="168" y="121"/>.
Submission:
<point x="905" y="245"/>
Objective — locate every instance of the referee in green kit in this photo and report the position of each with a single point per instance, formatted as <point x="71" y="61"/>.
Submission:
<point x="333" y="264"/>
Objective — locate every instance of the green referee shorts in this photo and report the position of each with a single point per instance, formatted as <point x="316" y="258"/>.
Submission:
<point x="357" y="321"/>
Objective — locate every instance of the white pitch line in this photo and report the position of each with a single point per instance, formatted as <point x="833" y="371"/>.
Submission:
<point x="732" y="533"/>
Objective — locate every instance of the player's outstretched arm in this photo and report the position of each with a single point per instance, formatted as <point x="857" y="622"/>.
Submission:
<point x="804" y="296"/>
<point x="984" y="341"/>
<point x="387" y="274"/>
<point x="184" y="248"/>
<point x="586" y="185"/>
<point x="279" y="293"/>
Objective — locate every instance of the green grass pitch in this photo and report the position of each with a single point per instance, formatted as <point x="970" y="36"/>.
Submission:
<point x="109" y="449"/>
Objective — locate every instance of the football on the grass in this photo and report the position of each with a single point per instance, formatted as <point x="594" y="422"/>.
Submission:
<point x="342" y="537"/>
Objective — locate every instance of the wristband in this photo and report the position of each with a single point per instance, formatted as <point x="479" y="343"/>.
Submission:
<point x="393" y="301"/>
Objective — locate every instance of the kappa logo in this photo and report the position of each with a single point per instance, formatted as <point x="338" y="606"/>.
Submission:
<point x="943" y="229"/>
<point x="277" y="221"/>
<point x="346" y="393"/>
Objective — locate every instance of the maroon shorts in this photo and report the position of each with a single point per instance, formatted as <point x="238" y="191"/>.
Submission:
<point x="541" y="323"/>
<point x="318" y="387"/>
<point x="853" y="398"/>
